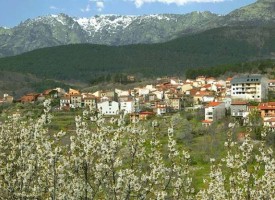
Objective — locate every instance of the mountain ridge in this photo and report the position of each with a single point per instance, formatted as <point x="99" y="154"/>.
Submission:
<point x="223" y="45"/>
<point x="115" y="30"/>
<point x="54" y="30"/>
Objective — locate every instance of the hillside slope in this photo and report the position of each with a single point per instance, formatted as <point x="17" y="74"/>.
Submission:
<point x="84" y="62"/>
<point x="262" y="12"/>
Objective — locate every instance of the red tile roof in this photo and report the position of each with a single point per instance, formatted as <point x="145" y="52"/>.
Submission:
<point x="239" y="103"/>
<point x="207" y="86"/>
<point x="267" y="106"/>
<point x="213" y="104"/>
<point x="229" y="79"/>
<point x="146" y="113"/>
<point x="207" y="121"/>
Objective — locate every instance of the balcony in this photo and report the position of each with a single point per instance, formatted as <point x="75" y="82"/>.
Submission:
<point x="238" y="114"/>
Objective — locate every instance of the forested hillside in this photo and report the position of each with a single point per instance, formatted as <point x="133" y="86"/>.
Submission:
<point x="84" y="62"/>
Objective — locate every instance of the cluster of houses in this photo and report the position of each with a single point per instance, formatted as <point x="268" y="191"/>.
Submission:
<point x="216" y="97"/>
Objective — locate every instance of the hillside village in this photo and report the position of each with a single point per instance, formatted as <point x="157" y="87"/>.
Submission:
<point x="236" y="96"/>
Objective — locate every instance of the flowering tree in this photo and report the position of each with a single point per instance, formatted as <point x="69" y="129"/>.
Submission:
<point x="247" y="172"/>
<point x="107" y="159"/>
<point x="28" y="159"/>
<point x="110" y="161"/>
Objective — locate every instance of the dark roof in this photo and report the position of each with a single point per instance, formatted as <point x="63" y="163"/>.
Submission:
<point x="247" y="79"/>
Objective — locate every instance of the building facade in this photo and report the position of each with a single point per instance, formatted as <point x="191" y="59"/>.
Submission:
<point x="108" y="108"/>
<point x="249" y="87"/>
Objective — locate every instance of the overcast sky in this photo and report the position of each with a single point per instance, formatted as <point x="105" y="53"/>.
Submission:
<point x="12" y="12"/>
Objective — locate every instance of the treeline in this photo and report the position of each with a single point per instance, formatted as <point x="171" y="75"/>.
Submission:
<point x="261" y="66"/>
<point x="112" y="78"/>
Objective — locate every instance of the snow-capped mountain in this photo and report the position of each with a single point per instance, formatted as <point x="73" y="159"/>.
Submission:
<point x="52" y="30"/>
<point x="109" y="22"/>
<point x="114" y="23"/>
<point x="121" y="30"/>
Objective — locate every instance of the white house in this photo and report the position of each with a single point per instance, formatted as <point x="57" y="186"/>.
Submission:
<point x="227" y="101"/>
<point x="150" y="87"/>
<point x="143" y="91"/>
<point x="207" y="98"/>
<point x="122" y="92"/>
<point x="127" y="106"/>
<point x="210" y="80"/>
<point x="108" y="108"/>
<point x="249" y="87"/>
<point x="270" y="123"/>
<point x="159" y="94"/>
<point x="175" y="81"/>
<point x="161" y="109"/>
<point x="239" y="109"/>
<point x="214" y="111"/>
<point x="65" y="101"/>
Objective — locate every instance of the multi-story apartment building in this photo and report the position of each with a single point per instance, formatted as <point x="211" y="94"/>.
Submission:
<point x="90" y="101"/>
<point x="249" y="87"/>
<point x="76" y="101"/>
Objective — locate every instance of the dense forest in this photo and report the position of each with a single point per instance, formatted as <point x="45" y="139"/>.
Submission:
<point x="86" y="62"/>
<point x="260" y="66"/>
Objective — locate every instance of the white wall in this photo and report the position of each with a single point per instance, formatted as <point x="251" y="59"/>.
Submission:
<point x="108" y="108"/>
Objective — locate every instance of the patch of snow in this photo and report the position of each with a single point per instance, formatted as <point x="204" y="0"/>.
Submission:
<point x="156" y="16"/>
<point x="48" y="19"/>
<point x="110" y="22"/>
<point x="59" y="19"/>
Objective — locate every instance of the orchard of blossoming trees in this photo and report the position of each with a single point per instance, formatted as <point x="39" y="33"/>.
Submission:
<point x="112" y="160"/>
